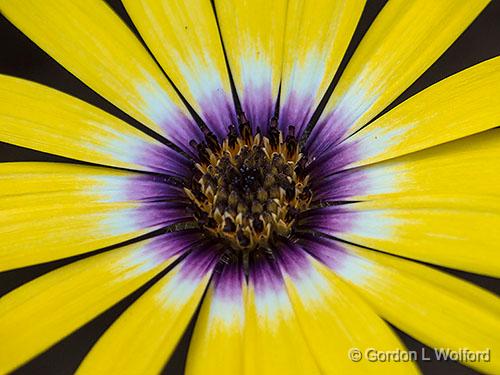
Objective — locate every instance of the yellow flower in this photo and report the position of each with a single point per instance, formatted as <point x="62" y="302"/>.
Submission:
<point x="293" y="215"/>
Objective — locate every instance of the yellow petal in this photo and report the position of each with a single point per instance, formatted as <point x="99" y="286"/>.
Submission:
<point x="468" y="166"/>
<point x="273" y="340"/>
<point x="453" y="231"/>
<point x="94" y="184"/>
<point x="217" y="343"/>
<point x="404" y="40"/>
<point x="193" y="58"/>
<point x="93" y="43"/>
<point x="316" y="38"/>
<point x="439" y="310"/>
<point x="336" y="321"/>
<point x="461" y="105"/>
<point x="45" y="310"/>
<point x="62" y="211"/>
<point x="45" y="119"/>
<point x="143" y="338"/>
<point x="252" y="33"/>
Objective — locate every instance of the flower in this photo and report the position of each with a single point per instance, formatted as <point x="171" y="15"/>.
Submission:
<point x="298" y="231"/>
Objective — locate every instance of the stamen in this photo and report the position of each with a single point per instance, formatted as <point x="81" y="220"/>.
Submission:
<point x="245" y="128"/>
<point x="212" y="142"/>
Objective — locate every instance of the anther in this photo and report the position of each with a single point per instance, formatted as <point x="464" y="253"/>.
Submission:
<point x="212" y="142"/>
<point x="306" y="195"/>
<point x="258" y="225"/>
<point x="202" y="152"/>
<point x="300" y="167"/>
<point x="290" y="192"/>
<point x="211" y="223"/>
<point x="244" y="127"/>
<point x="243" y="239"/>
<point x="291" y="142"/>
<point x="229" y="226"/>
<point x="232" y="136"/>
<point x="291" y="214"/>
<point x="274" y="133"/>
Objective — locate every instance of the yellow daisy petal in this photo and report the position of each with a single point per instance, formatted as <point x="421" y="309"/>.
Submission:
<point x="404" y="40"/>
<point x="468" y="166"/>
<point x="461" y="105"/>
<point x="252" y="33"/>
<point x="316" y="38"/>
<point x="93" y="43"/>
<point x="273" y="340"/>
<point x="335" y="321"/>
<point x="45" y="310"/>
<point x="437" y="309"/>
<point x="217" y="343"/>
<point x="45" y="119"/>
<point x="94" y="184"/>
<point x="51" y="211"/>
<point x="184" y="38"/>
<point x="143" y="338"/>
<point x="450" y="230"/>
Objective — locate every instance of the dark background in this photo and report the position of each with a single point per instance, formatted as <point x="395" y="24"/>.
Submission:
<point x="20" y="57"/>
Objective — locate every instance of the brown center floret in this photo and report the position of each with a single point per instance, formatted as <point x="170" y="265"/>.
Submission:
<point x="251" y="188"/>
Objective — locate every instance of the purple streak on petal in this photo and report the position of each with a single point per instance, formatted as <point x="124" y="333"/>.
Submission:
<point x="334" y="159"/>
<point x="180" y="130"/>
<point x="228" y="283"/>
<point x="158" y="214"/>
<point x="172" y="244"/>
<point x="218" y="112"/>
<point x="329" y="252"/>
<point x="143" y="187"/>
<point x="297" y="111"/>
<point x="330" y="220"/>
<point x="265" y="276"/>
<point x="292" y="259"/>
<point x="163" y="159"/>
<point x="201" y="260"/>
<point x="340" y="186"/>
<point x="258" y="104"/>
<point x="327" y="133"/>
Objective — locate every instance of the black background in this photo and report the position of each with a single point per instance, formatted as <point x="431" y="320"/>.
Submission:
<point x="20" y="57"/>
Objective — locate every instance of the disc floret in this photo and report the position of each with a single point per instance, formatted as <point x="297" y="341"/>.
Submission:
<point x="249" y="188"/>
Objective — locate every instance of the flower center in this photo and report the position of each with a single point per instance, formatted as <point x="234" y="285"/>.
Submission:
<point x="250" y="188"/>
